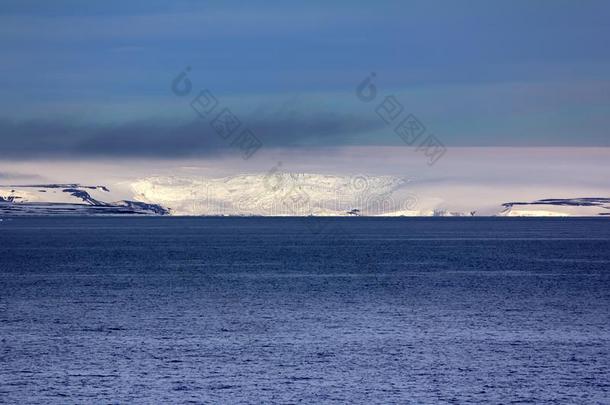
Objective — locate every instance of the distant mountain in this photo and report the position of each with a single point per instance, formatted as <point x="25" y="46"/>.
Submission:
<point x="268" y="194"/>
<point x="588" y="206"/>
<point x="68" y="199"/>
<point x="280" y="194"/>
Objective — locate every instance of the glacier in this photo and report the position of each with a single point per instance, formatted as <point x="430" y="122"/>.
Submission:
<point x="68" y="199"/>
<point x="558" y="207"/>
<point x="280" y="194"/>
<point x="273" y="193"/>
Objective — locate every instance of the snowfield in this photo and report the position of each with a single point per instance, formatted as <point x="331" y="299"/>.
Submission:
<point x="302" y="194"/>
<point x="68" y="199"/>
<point x="274" y="193"/>
<point x="280" y="194"/>
<point x="558" y="207"/>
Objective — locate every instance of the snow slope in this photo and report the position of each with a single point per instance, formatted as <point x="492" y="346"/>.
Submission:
<point x="558" y="207"/>
<point x="279" y="194"/>
<point x="274" y="193"/>
<point x="68" y="199"/>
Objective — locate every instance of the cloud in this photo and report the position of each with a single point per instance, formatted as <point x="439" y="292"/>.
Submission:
<point x="155" y="138"/>
<point x="19" y="176"/>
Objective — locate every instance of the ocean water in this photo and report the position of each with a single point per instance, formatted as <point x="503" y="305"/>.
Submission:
<point x="287" y="310"/>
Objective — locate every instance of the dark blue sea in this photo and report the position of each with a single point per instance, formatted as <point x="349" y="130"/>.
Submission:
<point x="289" y="310"/>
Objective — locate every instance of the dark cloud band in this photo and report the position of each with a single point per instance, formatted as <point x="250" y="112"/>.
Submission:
<point x="152" y="138"/>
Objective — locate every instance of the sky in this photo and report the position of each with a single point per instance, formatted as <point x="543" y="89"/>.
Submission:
<point x="95" y="79"/>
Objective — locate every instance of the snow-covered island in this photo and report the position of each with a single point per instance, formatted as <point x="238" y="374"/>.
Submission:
<point x="558" y="207"/>
<point x="68" y="199"/>
<point x="271" y="194"/>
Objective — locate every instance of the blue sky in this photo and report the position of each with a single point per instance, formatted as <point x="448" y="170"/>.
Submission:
<point x="476" y="73"/>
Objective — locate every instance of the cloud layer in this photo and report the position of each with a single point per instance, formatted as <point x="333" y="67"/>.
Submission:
<point x="517" y="73"/>
<point x="153" y="138"/>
